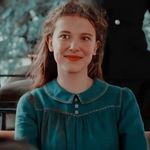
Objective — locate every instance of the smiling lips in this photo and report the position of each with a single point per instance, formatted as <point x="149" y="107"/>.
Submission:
<point x="73" y="57"/>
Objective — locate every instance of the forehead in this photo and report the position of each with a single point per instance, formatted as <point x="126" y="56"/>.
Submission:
<point x="74" y="23"/>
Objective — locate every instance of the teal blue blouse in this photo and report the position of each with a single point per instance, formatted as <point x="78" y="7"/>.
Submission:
<point x="104" y="117"/>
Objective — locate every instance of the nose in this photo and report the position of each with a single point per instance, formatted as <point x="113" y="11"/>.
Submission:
<point x="74" y="46"/>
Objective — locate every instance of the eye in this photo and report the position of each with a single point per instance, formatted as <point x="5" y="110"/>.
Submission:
<point x="64" y="36"/>
<point x="86" y="38"/>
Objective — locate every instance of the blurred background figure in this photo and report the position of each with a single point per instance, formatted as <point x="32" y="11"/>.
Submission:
<point x="126" y="57"/>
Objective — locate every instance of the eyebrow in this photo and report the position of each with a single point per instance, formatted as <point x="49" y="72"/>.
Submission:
<point x="64" y="31"/>
<point x="88" y="34"/>
<point x="68" y="32"/>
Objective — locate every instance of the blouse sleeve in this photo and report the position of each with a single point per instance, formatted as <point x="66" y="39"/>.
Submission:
<point x="26" y="122"/>
<point x="131" y="129"/>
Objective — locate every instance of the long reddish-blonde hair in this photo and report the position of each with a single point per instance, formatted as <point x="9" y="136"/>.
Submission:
<point x="44" y="68"/>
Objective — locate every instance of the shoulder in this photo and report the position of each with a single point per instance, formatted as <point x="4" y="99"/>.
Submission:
<point x="28" y="97"/>
<point x="114" y="93"/>
<point x="125" y="97"/>
<point x="36" y="98"/>
<point x="25" y="102"/>
<point x="113" y="90"/>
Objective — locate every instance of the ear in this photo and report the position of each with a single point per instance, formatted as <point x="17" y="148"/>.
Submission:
<point x="97" y="45"/>
<point x="49" y="43"/>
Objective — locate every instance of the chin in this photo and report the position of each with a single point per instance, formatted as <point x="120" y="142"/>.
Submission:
<point x="73" y="69"/>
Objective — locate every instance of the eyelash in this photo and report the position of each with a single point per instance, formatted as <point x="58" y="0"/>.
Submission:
<point x="65" y="36"/>
<point x="86" y="38"/>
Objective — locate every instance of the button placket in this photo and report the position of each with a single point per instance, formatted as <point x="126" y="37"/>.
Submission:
<point x="76" y="106"/>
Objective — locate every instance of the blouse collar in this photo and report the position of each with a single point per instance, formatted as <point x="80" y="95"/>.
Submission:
<point x="58" y="93"/>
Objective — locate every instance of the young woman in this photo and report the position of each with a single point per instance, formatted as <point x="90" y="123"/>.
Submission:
<point x="70" y="106"/>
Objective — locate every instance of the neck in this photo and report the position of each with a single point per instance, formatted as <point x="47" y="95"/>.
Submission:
<point x="74" y="82"/>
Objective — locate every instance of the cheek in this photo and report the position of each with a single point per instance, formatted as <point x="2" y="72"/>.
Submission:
<point x="59" y="46"/>
<point x="89" y="52"/>
<point x="55" y="45"/>
<point x="89" y="48"/>
<point x="57" y="57"/>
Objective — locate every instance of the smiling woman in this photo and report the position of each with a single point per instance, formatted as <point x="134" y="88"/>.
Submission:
<point x="73" y="108"/>
<point x="73" y="46"/>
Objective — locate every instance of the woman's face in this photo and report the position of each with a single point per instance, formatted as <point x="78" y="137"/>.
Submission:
<point x="73" y="44"/>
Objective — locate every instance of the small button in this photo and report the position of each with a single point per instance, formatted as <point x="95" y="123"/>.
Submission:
<point x="117" y="21"/>
<point x="76" y="105"/>
<point x="76" y="112"/>
<point x="76" y="100"/>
